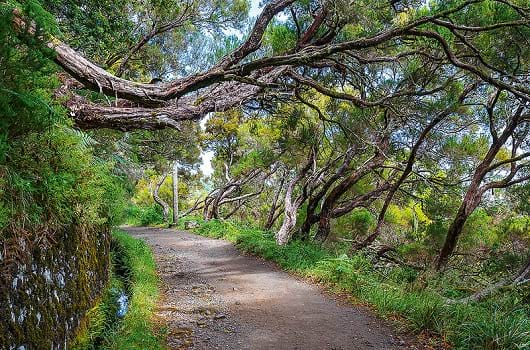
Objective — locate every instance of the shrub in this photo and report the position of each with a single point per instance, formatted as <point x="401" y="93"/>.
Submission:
<point x="145" y="215"/>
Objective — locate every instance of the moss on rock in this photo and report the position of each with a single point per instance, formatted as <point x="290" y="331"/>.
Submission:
<point x="47" y="291"/>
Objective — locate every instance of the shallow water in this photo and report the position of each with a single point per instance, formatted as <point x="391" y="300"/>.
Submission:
<point x="122" y="301"/>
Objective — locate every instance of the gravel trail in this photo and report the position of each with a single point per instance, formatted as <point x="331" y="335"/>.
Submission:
<point x="213" y="297"/>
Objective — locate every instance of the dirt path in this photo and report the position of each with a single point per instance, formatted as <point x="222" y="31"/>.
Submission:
<point x="216" y="298"/>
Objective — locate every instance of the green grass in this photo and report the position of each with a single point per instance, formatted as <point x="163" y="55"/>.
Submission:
<point x="135" y="270"/>
<point x="501" y="322"/>
<point x="136" y="331"/>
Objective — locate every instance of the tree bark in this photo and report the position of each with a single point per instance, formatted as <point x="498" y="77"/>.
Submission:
<point x="272" y="211"/>
<point x="284" y="234"/>
<point x="160" y="201"/>
<point x="340" y="189"/>
<point x="250" y="74"/>
<point x="311" y="217"/>
<point x="290" y="212"/>
<point x="474" y="192"/>
<point x="409" y="165"/>
<point x="175" y="194"/>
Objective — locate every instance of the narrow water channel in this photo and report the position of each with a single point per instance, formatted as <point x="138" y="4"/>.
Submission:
<point x="123" y="303"/>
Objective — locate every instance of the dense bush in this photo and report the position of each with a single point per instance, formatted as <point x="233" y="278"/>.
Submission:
<point x="49" y="176"/>
<point x="58" y="199"/>
<point x="145" y="215"/>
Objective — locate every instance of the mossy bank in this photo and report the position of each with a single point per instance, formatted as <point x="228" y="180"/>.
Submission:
<point x="45" y="295"/>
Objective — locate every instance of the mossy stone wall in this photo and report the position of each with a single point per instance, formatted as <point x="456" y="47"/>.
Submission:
<point x="46" y="291"/>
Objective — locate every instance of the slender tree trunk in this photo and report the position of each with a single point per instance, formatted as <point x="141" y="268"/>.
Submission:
<point x="311" y="218"/>
<point x="194" y="207"/>
<point x="274" y="206"/>
<point x="380" y="221"/>
<point x="474" y="192"/>
<point x="521" y="277"/>
<point x="324" y="223"/>
<point x="324" y="227"/>
<point x="235" y="209"/>
<point x="277" y="215"/>
<point x="468" y="205"/>
<point x="206" y="212"/>
<point x="160" y="201"/>
<point x="408" y="169"/>
<point x="216" y="203"/>
<point x="291" y="209"/>
<point x="284" y="234"/>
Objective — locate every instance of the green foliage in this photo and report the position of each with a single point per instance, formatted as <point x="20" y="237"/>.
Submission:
<point x="49" y="177"/>
<point x="94" y="25"/>
<point x="107" y="30"/>
<point x="140" y="215"/>
<point x="521" y="196"/>
<point x="137" y="329"/>
<point x="357" y="224"/>
<point x="500" y="331"/>
<point x="478" y="230"/>
<point x="280" y="37"/>
<point x="100" y="321"/>
<point x="516" y="226"/>
<point x="133" y="270"/>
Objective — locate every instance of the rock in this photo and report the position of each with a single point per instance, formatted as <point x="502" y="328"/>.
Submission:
<point x="191" y="224"/>
<point x="219" y="316"/>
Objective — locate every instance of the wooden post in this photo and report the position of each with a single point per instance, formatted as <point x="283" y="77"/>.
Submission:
<point x="175" y="195"/>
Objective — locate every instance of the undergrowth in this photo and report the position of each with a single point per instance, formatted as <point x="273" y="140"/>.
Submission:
<point x="501" y="322"/>
<point x="145" y="215"/>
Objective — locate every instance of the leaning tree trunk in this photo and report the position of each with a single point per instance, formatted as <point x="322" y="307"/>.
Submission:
<point x="272" y="211"/>
<point x="520" y="278"/>
<point x="160" y="201"/>
<point x="474" y="192"/>
<point x="175" y="194"/>
<point x="455" y="230"/>
<point x="324" y="223"/>
<point x="408" y="169"/>
<point x="285" y="232"/>
<point x="311" y="216"/>
<point x="324" y="227"/>
<point x="206" y="209"/>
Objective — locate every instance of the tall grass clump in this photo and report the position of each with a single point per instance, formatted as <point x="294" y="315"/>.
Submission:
<point x="499" y="329"/>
